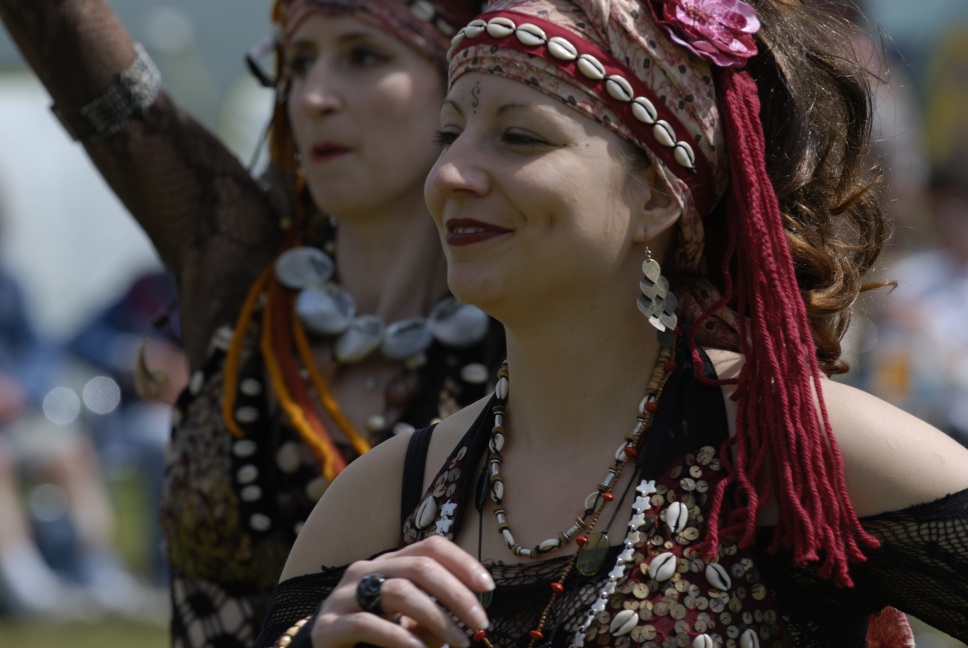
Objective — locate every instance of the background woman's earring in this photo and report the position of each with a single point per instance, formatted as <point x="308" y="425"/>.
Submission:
<point x="657" y="302"/>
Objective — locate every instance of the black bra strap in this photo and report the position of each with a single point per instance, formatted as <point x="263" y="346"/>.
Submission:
<point x="413" y="472"/>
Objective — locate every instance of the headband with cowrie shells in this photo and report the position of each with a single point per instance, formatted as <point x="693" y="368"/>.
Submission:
<point x="632" y="100"/>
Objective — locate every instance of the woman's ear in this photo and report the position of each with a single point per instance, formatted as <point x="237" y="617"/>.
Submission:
<point x="659" y="211"/>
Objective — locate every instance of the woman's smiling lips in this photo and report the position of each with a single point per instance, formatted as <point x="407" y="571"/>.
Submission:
<point x="466" y="231"/>
<point x="325" y="151"/>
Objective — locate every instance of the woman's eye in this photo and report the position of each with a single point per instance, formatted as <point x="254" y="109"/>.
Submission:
<point x="367" y="56"/>
<point x="300" y="64"/>
<point x="517" y="138"/>
<point x="444" y="138"/>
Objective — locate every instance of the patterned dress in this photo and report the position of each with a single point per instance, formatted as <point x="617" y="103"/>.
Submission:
<point x="663" y="592"/>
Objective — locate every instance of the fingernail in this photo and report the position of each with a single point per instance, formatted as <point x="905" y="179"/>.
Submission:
<point x="479" y="618"/>
<point x="458" y="639"/>
<point x="484" y="581"/>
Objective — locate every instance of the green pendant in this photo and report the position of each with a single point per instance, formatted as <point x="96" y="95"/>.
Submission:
<point x="593" y="555"/>
<point x="485" y="598"/>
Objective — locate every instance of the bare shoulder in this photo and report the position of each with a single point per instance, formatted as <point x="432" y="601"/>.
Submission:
<point x="357" y="516"/>
<point x="892" y="459"/>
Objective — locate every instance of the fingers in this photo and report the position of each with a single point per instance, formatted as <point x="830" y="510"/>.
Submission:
<point x="347" y="630"/>
<point x="430" y="586"/>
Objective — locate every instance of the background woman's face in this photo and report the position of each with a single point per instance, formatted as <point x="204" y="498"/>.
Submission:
<point x="363" y="108"/>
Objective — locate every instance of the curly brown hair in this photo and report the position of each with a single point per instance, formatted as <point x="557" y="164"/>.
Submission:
<point x="817" y="115"/>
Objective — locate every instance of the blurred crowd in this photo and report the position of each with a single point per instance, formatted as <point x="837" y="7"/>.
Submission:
<point x="919" y="328"/>
<point x="75" y="437"/>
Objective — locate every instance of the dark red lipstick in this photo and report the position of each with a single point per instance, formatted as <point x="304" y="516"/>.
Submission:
<point x="467" y="231"/>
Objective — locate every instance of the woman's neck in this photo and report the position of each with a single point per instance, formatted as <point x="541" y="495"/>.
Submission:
<point x="392" y="263"/>
<point x="577" y="383"/>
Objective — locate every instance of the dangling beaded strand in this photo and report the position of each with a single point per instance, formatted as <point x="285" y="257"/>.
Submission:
<point x="665" y="365"/>
<point x="596" y="500"/>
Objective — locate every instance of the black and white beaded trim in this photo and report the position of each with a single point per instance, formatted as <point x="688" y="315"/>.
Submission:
<point x="563" y="51"/>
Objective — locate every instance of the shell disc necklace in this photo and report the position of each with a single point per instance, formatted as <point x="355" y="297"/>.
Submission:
<point x="593" y="547"/>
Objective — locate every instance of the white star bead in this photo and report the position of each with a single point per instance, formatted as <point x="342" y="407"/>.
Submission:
<point x="447" y="510"/>
<point x="443" y="526"/>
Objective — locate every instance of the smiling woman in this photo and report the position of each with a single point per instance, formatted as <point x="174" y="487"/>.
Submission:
<point x="313" y="299"/>
<point x="663" y="461"/>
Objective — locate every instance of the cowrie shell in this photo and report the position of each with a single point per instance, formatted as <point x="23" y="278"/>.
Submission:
<point x="426" y="513"/>
<point x="703" y="641"/>
<point x="624" y="622"/>
<point x="364" y="336"/>
<point x="676" y="517"/>
<point x="530" y="35"/>
<point x="717" y="576"/>
<point x="618" y="88"/>
<point x="302" y="267"/>
<point x="549" y="545"/>
<point x="684" y="155"/>
<point x="749" y="639"/>
<point x="591" y="67"/>
<point x="662" y="567"/>
<point x="644" y="110"/>
<point x="475" y="28"/>
<point x="260" y="522"/>
<point x="244" y="448"/>
<point x="663" y="133"/>
<point x="501" y="388"/>
<point x="562" y="49"/>
<point x="326" y="310"/>
<point x="424" y="10"/>
<point x="500" y="27"/>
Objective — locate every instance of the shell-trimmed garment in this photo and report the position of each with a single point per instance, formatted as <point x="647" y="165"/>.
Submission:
<point x="741" y="598"/>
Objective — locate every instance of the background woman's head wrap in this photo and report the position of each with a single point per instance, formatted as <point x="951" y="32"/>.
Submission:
<point x="667" y="76"/>
<point x="425" y="25"/>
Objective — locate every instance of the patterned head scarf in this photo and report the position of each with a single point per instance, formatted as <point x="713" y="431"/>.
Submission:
<point x="668" y="76"/>
<point x="424" y="25"/>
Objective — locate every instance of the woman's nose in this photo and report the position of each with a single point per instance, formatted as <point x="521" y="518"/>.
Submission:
<point x="320" y="92"/>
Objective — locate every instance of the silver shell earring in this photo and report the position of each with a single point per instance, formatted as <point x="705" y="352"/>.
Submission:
<point x="657" y="302"/>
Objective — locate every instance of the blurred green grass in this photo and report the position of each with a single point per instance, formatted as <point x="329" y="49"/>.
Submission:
<point x="132" y="540"/>
<point x="105" y="634"/>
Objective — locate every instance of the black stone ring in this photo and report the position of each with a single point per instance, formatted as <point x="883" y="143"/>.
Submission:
<point x="368" y="593"/>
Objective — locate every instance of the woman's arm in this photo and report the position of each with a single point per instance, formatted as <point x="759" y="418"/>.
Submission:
<point x="425" y="583"/>
<point x="208" y="219"/>
<point x="892" y="459"/>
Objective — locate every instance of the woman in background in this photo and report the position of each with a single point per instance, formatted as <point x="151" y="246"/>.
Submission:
<point x="314" y="307"/>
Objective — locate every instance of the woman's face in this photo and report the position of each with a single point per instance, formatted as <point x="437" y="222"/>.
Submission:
<point x="363" y="107"/>
<point x="535" y="203"/>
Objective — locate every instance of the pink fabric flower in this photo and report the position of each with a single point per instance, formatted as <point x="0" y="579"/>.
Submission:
<point x="720" y="31"/>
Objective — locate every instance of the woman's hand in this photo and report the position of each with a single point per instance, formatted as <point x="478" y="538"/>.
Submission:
<point x="427" y="585"/>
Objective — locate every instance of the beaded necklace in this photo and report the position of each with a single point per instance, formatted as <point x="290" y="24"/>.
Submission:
<point x="593" y="547"/>
<point x="297" y="383"/>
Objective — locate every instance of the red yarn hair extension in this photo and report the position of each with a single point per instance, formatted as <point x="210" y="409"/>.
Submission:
<point x="784" y="445"/>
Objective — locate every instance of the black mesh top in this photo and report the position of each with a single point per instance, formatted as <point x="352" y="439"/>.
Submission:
<point x="918" y="569"/>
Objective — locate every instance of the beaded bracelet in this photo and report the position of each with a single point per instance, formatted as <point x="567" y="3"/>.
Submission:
<point x="286" y="640"/>
<point x="131" y="93"/>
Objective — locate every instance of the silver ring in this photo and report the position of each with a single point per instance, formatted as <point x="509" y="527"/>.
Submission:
<point x="368" y="593"/>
